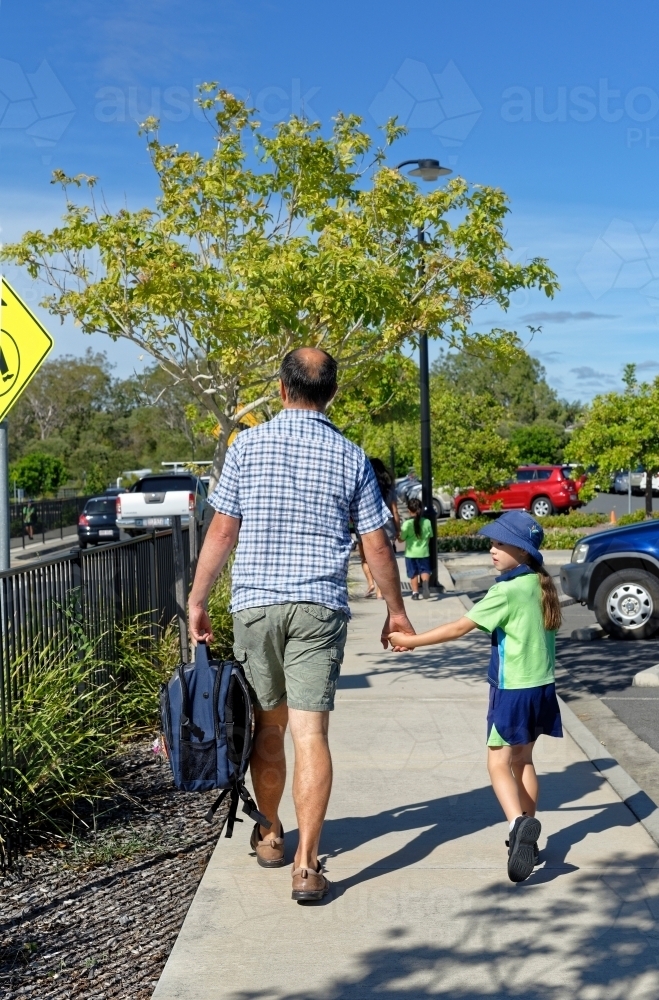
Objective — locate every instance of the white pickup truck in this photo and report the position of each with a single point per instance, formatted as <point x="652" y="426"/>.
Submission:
<point x="153" y="501"/>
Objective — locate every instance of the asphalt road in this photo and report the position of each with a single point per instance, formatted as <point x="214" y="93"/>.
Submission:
<point x="604" y="503"/>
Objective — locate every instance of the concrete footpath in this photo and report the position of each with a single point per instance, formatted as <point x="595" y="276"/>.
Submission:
<point x="421" y="904"/>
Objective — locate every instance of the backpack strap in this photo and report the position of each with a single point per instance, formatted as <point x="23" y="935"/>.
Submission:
<point x="186" y="721"/>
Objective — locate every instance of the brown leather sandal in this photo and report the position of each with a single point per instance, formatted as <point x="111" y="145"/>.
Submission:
<point x="309" y="884"/>
<point x="270" y="851"/>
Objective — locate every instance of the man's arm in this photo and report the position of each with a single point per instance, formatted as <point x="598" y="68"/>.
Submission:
<point x="382" y="563"/>
<point x="220" y="539"/>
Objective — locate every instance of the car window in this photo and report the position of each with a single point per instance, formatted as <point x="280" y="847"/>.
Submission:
<point x="525" y="475"/>
<point x="100" y="507"/>
<point x="544" y="473"/>
<point x="164" y="484"/>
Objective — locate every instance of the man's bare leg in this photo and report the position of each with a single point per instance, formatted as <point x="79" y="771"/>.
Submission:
<point x="268" y="764"/>
<point x="312" y="781"/>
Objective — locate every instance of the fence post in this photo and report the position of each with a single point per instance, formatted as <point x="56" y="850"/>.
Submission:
<point x="181" y="586"/>
<point x="193" y="533"/>
<point x="153" y="585"/>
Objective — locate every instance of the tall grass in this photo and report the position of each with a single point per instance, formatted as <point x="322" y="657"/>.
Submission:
<point x="60" y="733"/>
<point x="73" y="711"/>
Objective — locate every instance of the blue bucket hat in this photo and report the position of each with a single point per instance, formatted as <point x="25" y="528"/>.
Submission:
<point x="516" y="527"/>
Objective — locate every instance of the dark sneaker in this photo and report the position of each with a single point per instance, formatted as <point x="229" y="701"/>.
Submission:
<point x="309" y="884"/>
<point x="536" y="855"/>
<point x="415" y="597"/>
<point x="521" y="856"/>
<point x="270" y="850"/>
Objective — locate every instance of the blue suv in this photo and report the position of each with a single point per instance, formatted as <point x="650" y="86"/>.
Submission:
<point x="616" y="573"/>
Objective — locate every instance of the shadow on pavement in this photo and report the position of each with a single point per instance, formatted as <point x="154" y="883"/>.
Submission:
<point x="456" y="816"/>
<point x="595" y="943"/>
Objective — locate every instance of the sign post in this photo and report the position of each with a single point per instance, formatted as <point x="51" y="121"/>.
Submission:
<point x="4" y="492"/>
<point x="24" y="345"/>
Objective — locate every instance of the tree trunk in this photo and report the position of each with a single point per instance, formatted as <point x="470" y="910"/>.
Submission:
<point x="218" y="460"/>
<point x="649" y="476"/>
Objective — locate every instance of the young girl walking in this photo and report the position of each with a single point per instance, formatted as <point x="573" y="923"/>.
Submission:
<point x="522" y="613"/>
<point x="416" y="532"/>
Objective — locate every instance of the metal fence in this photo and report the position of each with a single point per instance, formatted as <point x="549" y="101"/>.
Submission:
<point x="106" y="586"/>
<point x="49" y="515"/>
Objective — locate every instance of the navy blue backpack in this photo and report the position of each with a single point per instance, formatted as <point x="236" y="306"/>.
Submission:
<point x="207" y="722"/>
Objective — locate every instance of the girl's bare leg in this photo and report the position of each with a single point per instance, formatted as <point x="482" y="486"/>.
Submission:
<point x="526" y="778"/>
<point x="513" y="779"/>
<point x="414" y="584"/>
<point x="366" y="570"/>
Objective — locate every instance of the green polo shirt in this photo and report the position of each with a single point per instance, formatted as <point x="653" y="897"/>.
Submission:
<point x="523" y="651"/>
<point x="415" y="547"/>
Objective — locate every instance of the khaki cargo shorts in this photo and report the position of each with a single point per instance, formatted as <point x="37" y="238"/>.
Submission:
<point x="291" y="652"/>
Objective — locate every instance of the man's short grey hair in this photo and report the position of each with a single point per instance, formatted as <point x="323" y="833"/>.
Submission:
<point x="309" y="380"/>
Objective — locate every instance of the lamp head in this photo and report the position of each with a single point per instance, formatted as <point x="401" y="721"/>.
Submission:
<point x="429" y="170"/>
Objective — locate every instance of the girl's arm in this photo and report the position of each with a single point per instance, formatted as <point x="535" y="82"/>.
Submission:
<point x="443" y="633"/>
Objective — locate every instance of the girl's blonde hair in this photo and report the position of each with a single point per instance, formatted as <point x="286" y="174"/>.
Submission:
<point x="551" y="607"/>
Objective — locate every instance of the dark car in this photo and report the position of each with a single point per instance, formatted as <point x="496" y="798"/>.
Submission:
<point x="98" y="522"/>
<point x="616" y="574"/>
<point x="542" y="489"/>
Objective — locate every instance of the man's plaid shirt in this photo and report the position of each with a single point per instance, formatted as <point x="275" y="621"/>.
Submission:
<point x="295" y="482"/>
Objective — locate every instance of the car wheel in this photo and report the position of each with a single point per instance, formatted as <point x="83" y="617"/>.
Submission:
<point x="438" y="507"/>
<point x="468" y="510"/>
<point x="82" y="543"/>
<point x="542" y="507"/>
<point x="627" y="604"/>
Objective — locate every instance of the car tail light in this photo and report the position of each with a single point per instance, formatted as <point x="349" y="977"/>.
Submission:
<point x="191" y="502"/>
<point x="83" y="520"/>
<point x="117" y="506"/>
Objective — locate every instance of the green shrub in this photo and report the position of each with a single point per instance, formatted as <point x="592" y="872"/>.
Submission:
<point x="575" y="519"/>
<point x="220" y="616"/>
<point x="635" y="517"/>
<point x="464" y="543"/>
<point x="561" y="540"/>
<point x="457" y="528"/>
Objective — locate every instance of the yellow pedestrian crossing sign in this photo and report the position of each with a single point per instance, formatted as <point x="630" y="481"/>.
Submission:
<point x="24" y="345"/>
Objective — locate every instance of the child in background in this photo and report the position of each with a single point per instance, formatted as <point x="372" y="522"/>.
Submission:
<point x="416" y="532"/>
<point x="522" y="613"/>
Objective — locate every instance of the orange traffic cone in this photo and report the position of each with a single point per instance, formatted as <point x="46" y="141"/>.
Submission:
<point x="613" y="519"/>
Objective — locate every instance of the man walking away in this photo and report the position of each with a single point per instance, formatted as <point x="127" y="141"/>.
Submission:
<point x="288" y="490"/>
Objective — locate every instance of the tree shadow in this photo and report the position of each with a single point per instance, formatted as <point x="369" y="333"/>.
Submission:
<point x="596" y="942"/>
<point x="452" y="817"/>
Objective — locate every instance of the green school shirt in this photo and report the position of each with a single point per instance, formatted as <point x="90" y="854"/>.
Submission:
<point x="523" y="651"/>
<point x="416" y="548"/>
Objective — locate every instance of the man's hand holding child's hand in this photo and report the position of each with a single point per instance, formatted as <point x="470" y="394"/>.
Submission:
<point x="400" y="642"/>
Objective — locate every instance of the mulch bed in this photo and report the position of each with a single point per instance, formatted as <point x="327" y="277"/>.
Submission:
<point x="97" y="918"/>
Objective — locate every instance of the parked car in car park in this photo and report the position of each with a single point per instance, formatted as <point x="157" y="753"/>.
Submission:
<point x="98" y="522"/>
<point x="408" y="488"/>
<point x="639" y="480"/>
<point x="540" y="489"/>
<point x="616" y="574"/>
<point x="152" y="502"/>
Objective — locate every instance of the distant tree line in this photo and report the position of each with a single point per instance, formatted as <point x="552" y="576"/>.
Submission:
<point x="78" y="425"/>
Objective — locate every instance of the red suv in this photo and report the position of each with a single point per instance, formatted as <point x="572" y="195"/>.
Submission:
<point x="541" y="489"/>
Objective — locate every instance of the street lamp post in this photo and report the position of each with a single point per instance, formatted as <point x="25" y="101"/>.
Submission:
<point x="427" y="170"/>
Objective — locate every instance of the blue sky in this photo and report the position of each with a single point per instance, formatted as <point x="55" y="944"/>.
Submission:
<point x="557" y="105"/>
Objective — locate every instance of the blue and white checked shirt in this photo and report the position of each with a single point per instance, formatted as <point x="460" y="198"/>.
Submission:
<point x="295" y="482"/>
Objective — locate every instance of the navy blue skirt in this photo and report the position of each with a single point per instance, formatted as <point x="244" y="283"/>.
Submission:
<point x="519" y="715"/>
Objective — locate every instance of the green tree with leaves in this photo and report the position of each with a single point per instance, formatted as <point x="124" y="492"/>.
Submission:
<point x="272" y="242"/>
<point x="38" y="474"/>
<point x="539" y="444"/>
<point x="621" y="431"/>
